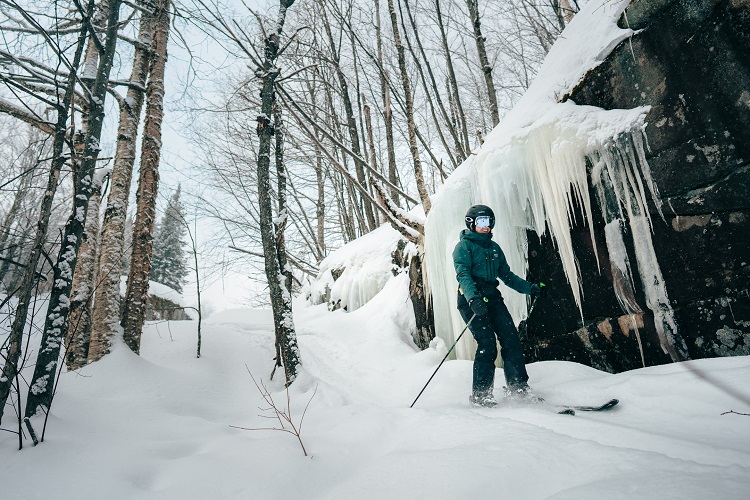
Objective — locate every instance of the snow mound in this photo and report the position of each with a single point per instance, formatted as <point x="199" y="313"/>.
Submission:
<point x="352" y="275"/>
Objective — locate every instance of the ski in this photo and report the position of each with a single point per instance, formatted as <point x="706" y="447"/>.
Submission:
<point x="606" y="406"/>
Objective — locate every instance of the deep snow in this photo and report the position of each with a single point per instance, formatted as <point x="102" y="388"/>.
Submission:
<point x="158" y="426"/>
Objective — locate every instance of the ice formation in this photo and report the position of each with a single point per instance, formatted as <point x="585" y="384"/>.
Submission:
<point x="533" y="170"/>
<point x="356" y="272"/>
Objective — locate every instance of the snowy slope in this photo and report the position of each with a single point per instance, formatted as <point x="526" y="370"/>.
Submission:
<point x="158" y="426"/>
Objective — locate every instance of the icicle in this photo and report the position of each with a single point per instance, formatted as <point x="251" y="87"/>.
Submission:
<point x="533" y="171"/>
<point x="539" y="180"/>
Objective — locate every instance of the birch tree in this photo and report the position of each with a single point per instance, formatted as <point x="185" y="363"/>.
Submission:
<point x="55" y="327"/>
<point x="136" y="296"/>
<point x="409" y="100"/>
<point x="62" y="105"/>
<point x="106" y="306"/>
<point x="84" y="283"/>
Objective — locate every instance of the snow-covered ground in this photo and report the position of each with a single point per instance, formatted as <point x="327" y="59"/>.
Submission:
<point x="159" y="425"/>
<point x="163" y="425"/>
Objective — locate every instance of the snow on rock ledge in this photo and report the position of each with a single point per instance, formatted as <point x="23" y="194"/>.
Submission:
<point x="352" y="275"/>
<point x="164" y="302"/>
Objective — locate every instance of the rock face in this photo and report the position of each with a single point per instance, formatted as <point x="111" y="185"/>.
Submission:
<point x="691" y="63"/>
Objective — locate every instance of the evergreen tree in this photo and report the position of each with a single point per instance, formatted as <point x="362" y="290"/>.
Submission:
<point x="168" y="266"/>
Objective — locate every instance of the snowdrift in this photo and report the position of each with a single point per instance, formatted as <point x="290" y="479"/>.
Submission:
<point x="160" y="425"/>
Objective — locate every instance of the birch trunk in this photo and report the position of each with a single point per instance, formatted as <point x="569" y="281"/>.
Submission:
<point x="460" y="153"/>
<point x="79" y="318"/>
<point x="320" y="175"/>
<point x="351" y="122"/>
<point x="453" y="83"/>
<point x="106" y="308"/>
<point x="385" y="93"/>
<point x="84" y="279"/>
<point x="320" y="205"/>
<point x="10" y="368"/>
<point x="421" y="187"/>
<point x="373" y="159"/>
<point x="56" y="319"/>
<point x="484" y="60"/>
<point x="136" y="296"/>
<point x="272" y="243"/>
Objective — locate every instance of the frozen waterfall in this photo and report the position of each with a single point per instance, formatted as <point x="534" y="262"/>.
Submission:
<point x="535" y="170"/>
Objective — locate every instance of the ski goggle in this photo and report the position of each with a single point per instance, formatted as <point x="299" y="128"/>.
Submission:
<point x="482" y="221"/>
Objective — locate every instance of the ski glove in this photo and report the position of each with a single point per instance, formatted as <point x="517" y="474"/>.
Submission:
<point x="538" y="290"/>
<point x="479" y="306"/>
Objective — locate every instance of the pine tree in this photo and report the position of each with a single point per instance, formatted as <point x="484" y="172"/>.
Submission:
<point x="169" y="266"/>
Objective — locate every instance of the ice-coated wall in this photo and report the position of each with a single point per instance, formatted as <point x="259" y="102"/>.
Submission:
<point x="533" y="180"/>
<point x="533" y="171"/>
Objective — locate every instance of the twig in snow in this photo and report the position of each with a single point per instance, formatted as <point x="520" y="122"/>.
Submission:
<point x="280" y="414"/>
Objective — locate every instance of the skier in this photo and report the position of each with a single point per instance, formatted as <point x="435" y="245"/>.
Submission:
<point x="479" y="262"/>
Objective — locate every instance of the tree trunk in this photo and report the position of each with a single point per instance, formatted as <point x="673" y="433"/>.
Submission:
<point x="136" y="296"/>
<point x="320" y="205"/>
<point x="106" y="309"/>
<point x="385" y="93"/>
<point x="453" y="83"/>
<point x="351" y="122"/>
<point x="280" y="298"/>
<point x="79" y="318"/>
<point x="460" y="153"/>
<point x="10" y="368"/>
<point x="484" y="60"/>
<point x="421" y="187"/>
<point x="56" y="319"/>
<point x="373" y="159"/>
<point x="84" y="279"/>
<point x="286" y="335"/>
<point x="421" y="303"/>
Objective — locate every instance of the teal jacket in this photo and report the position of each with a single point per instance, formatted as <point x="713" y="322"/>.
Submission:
<point x="479" y="259"/>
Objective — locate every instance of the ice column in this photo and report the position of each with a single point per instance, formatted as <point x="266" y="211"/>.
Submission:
<point x="617" y="174"/>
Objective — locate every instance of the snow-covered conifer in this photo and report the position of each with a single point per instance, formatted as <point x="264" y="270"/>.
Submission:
<point x="169" y="266"/>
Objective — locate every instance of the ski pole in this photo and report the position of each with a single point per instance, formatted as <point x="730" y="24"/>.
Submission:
<point x="443" y="361"/>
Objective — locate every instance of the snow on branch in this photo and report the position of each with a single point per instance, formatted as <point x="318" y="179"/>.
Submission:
<point x="25" y="116"/>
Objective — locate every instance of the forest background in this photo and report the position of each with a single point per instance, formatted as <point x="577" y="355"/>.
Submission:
<point x="282" y="130"/>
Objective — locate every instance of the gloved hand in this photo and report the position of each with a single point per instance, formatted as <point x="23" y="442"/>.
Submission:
<point x="479" y="306"/>
<point x="538" y="290"/>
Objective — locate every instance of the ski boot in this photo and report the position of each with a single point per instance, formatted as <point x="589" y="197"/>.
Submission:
<point x="522" y="394"/>
<point x="485" y="400"/>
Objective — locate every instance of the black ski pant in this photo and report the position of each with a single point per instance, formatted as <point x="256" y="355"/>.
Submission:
<point x="498" y="324"/>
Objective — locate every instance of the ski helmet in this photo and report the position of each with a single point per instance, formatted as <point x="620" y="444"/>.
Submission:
<point x="478" y="211"/>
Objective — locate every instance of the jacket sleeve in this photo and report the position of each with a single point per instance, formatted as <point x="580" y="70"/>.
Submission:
<point x="462" y="263"/>
<point x="511" y="279"/>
